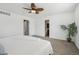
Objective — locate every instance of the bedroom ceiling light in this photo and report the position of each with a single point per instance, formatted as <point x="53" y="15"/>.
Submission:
<point x="33" y="11"/>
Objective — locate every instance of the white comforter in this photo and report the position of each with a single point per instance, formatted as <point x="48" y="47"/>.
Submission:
<point x="20" y="45"/>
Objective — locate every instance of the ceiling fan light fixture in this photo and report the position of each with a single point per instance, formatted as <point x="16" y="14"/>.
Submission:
<point x="33" y="11"/>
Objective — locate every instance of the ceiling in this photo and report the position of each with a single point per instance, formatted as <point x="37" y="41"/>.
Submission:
<point x="49" y="8"/>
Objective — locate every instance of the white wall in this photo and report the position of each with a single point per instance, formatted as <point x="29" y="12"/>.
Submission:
<point x="55" y="21"/>
<point x="13" y="25"/>
<point x="76" y="17"/>
<point x="39" y="27"/>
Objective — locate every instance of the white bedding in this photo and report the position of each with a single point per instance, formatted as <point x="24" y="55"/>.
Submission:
<point x="26" y="45"/>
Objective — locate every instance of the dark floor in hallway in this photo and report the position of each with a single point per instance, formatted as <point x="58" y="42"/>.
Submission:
<point x="62" y="47"/>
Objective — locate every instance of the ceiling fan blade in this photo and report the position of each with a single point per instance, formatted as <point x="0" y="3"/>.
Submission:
<point x="33" y="5"/>
<point x="27" y="8"/>
<point x="40" y="9"/>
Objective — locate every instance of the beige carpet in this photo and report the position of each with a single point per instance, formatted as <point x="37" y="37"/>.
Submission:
<point x="62" y="47"/>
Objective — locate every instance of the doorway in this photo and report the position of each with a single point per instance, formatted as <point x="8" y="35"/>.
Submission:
<point x="46" y="28"/>
<point x="26" y="27"/>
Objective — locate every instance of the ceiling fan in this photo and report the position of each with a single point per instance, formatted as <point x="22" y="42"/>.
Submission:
<point x="34" y="9"/>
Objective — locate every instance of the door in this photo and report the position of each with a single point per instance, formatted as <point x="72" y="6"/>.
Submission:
<point x="26" y="27"/>
<point x="46" y="28"/>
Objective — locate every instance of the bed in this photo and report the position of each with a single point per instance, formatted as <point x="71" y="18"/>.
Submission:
<point x="26" y="45"/>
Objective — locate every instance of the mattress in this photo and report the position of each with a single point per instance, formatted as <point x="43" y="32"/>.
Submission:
<point x="26" y="45"/>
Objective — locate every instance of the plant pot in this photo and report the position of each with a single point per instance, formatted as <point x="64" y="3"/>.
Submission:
<point x="69" y="39"/>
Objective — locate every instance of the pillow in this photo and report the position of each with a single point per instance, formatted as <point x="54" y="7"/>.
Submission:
<point x="2" y="50"/>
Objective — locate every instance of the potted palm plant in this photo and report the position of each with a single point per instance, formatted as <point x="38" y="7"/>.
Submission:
<point x="72" y="30"/>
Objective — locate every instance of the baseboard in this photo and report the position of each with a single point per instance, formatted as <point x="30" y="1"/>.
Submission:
<point x="49" y="37"/>
<point x="77" y="45"/>
<point x="58" y="38"/>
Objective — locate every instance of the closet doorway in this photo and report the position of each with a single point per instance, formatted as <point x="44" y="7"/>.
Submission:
<point x="46" y="28"/>
<point x="26" y="27"/>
